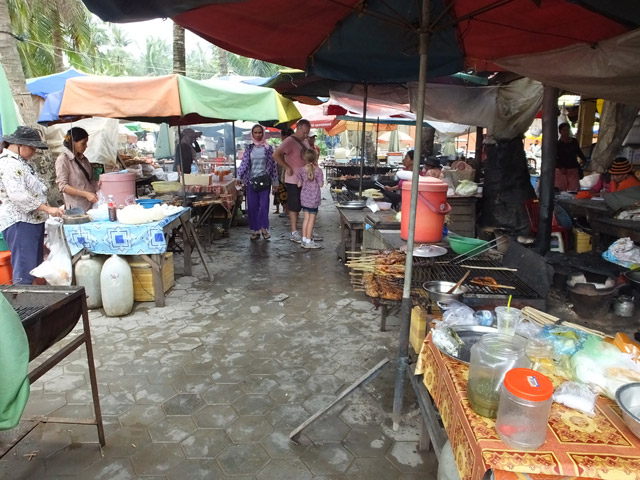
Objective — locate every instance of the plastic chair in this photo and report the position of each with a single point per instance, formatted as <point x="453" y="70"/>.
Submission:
<point x="532" y="206"/>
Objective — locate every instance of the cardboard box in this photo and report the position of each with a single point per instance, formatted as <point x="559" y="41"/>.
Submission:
<point x="143" y="277"/>
<point x="418" y="330"/>
<point x="197" y="179"/>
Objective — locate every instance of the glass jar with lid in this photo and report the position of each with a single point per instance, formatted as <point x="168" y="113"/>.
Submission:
<point x="491" y="358"/>
<point x="523" y="414"/>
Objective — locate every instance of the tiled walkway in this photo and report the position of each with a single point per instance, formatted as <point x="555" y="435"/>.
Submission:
<point x="211" y="385"/>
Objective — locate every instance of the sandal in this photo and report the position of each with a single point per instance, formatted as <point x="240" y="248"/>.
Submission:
<point x="255" y="236"/>
<point x="266" y="235"/>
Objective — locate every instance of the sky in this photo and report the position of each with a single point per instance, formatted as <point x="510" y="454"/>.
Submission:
<point x="139" y="31"/>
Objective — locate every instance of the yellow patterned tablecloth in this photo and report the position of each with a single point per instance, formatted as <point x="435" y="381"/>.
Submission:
<point x="577" y="446"/>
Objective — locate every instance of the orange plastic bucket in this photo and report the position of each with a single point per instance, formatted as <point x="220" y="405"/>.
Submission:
<point x="6" y="272"/>
<point x="431" y="209"/>
<point x="121" y="185"/>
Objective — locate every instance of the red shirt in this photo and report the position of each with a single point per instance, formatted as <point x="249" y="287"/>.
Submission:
<point x="628" y="182"/>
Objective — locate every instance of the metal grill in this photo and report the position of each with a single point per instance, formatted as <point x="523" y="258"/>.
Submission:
<point x="26" y="312"/>
<point x="439" y="268"/>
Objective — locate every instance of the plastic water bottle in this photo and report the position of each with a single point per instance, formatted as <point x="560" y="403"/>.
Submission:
<point x="484" y="317"/>
<point x="113" y="217"/>
<point x="88" y="276"/>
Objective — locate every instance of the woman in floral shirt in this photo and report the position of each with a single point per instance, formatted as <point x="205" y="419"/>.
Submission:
<point x="24" y="205"/>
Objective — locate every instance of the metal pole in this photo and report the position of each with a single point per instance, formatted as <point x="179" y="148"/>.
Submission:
<point x="405" y="314"/>
<point x="375" y="165"/>
<point x="364" y="135"/>
<point x="184" y="188"/>
<point x="478" y="158"/>
<point x="235" y="150"/>
<point x="547" y="167"/>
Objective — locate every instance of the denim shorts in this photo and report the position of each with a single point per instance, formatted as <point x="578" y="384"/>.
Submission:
<point x="310" y="210"/>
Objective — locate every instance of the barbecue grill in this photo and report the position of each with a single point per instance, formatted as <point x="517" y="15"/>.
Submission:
<point x="48" y="314"/>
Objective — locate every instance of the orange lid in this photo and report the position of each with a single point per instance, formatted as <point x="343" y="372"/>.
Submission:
<point x="528" y="384"/>
<point x="427" y="184"/>
<point x="5" y="257"/>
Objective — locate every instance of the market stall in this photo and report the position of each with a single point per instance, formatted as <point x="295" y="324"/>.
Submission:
<point x="150" y="240"/>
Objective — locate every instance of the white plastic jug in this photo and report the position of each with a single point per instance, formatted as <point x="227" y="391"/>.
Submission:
<point x="88" y="270"/>
<point x="116" y="285"/>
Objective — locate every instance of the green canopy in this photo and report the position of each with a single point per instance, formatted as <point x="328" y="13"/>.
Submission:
<point x="9" y="117"/>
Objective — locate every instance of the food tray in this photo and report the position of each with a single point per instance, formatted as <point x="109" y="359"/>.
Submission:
<point x="352" y="205"/>
<point x="470" y="335"/>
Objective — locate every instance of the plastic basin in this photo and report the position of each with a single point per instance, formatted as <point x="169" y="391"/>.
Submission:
<point x="148" y="202"/>
<point x="462" y="245"/>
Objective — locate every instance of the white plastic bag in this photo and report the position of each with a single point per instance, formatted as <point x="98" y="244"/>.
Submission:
<point x="576" y="395"/>
<point x="466" y="188"/>
<point x="373" y="206"/>
<point x="56" y="269"/>
<point x="459" y="315"/>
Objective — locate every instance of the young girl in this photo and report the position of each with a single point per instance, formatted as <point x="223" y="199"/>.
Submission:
<point x="310" y="180"/>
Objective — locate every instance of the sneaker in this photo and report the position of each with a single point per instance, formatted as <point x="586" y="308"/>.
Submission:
<point x="295" y="237"/>
<point x="310" y="245"/>
<point x="316" y="238"/>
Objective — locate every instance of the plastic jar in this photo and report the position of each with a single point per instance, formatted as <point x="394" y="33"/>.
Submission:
<point x="491" y="358"/>
<point x="523" y="414"/>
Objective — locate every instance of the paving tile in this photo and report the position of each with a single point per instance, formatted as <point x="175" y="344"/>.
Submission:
<point x="362" y="414"/>
<point x="326" y="384"/>
<point x="113" y="470"/>
<point x="205" y="443"/>
<point x="249" y="429"/>
<point x="290" y="393"/>
<point x="196" y="469"/>
<point x="278" y="445"/>
<point x="125" y="442"/>
<point x="157" y="458"/>
<point x="183" y="404"/>
<point x="256" y="384"/>
<point x="172" y="429"/>
<point x="222" y="394"/>
<point x="72" y="458"/>
<point x="366" y="468"/>
<point x="215" y="416"/>
<point x="246" y="459"/>
<point x="327" y="459"/>
<point x="141" y="416"/>
<point x="192" y="383"/>
<point x="285" y="469"/>
<point x="287" y="416"/>
<point x="406" y="457"/>
<point x="254" y="404"/>
<point x="367" y="442"/>
<point x="328" y="428"/>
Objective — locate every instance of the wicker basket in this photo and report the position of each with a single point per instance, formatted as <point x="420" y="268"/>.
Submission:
<point x="457" y="176"/>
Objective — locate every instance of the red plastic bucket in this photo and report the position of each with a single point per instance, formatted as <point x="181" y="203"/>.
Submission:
<point x="6" y="272"/>
<point x="431" y="209"/>
<point x="121" y="185"/>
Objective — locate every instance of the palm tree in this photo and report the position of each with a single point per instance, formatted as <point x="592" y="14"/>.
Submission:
<point x="157" y="57"/>
<point x="10" y="59"/>
<point x="179" y="61"/>
<point x="201" y="64"/>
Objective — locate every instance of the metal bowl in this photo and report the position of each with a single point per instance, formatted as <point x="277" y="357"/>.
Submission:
<point x="437" y="290"/>
<point x="628" y="398"/>
<point x="353" y="204"/>
<point x="633" y="276"/>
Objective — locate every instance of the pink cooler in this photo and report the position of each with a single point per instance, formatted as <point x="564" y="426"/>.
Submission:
<point x="121" y="185"/>
<point x="431" y="209"/>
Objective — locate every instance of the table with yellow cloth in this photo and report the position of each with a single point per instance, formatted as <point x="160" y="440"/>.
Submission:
<point x="577" y="446"/>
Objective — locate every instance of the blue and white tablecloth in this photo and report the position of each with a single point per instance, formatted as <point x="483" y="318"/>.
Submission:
<point x="114" y="237"/>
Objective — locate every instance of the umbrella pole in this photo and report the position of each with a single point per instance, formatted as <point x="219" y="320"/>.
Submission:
<point x="405" y="313"/>
<point x="375" y="164"/>
<point x="235" y="150"/>
<point x="184" y="188"/>
<point x="364" y="136"/>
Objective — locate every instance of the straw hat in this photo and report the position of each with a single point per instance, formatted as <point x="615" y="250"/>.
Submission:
<point x="27" y="136"/>
<point x="620" y="166"/>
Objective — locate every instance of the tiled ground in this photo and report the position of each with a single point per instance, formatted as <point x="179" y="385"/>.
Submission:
<point x="211" y="385"/>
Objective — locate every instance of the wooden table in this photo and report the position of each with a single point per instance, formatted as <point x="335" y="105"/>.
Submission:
<point x="585" y="207"/>
<point x="577" y="446"/>
<point x="605" y="229"/>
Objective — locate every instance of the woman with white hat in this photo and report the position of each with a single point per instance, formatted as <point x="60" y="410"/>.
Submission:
<point x="24" y="205"/>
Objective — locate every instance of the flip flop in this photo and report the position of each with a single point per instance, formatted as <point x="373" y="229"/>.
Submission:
<point x="283" y="215"/>
<point x="266" y="235"/>
<point x="255" y="236"/>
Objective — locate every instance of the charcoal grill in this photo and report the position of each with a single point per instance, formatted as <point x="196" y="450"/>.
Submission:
<point x="48" y="314"/>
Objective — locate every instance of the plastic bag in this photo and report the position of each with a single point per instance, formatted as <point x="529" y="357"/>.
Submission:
<point x="577" y="396"/>
<point x="459" y="315"/>
<point x="528" y="329"/>
<point x="603" y="367"/>
<point x="466" y="188"/>
<point x="446" y="339"/>
<point x="372" y="205"/>
<point x="566" y="341"/>
<point x="589" y="181"/>
<point x="56" y="269"/>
